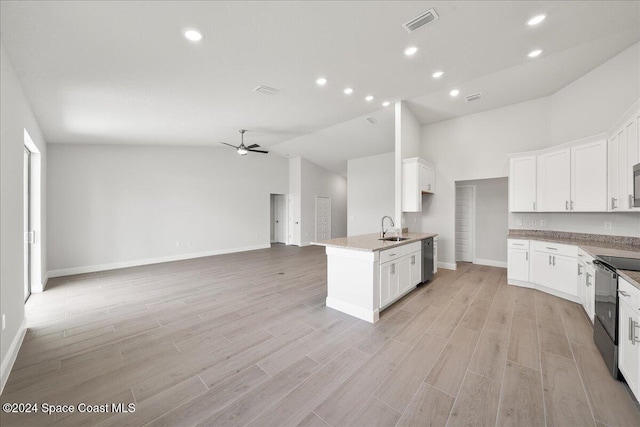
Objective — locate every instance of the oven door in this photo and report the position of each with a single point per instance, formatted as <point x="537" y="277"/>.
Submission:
<point x="607" y="298"/>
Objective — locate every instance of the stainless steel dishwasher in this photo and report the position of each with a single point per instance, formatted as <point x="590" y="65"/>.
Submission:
<point x="427" y="259"/>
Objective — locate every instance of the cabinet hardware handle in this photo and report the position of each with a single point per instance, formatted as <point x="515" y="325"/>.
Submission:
<point x="392" y="255"/>
<point x="553" y="249"/>
<point x="549" y="259"/>
<point x="631" y="330"/>
<point x="526" y="256"/>
<point x="579" y="270"/>
<point x="571" y="205"/>
<point x="630" y="201"/>
<point x="518" y="244"/>
<point x="613" y="203"/>
<point x="413" y="260"/>
<point x="534" y="206"/>
<point x="554" y="260"/>
<point x="588" y="281"/>
<point x="623" y="293"/>
<point x="393" y="269"/>
<point x="566" y="205"/>
<point x="634" y="338"/>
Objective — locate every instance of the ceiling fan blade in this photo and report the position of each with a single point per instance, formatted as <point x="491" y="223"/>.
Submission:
<point x="229" y="145"/>
<point x="257" y="151"/>
<point x="253" y="146"/>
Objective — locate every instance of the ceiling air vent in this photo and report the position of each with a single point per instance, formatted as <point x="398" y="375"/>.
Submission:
<point x="473" y="97"/>
<point x="421" y="20"/>
<point x="266" y="90"/>
<point x="372" y="120"/>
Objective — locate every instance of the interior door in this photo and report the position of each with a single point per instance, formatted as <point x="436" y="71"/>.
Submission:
<point x="27" y="222"/>
<point x="323" y="218"/>
<point x="280" y="214"/>
<point x="464" y="223"/>
<point x="294" y="220"/>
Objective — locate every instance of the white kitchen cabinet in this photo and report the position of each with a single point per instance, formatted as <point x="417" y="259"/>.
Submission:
<point x="400" y="272"/>
<point x="554" y="267"/>
<point x="418" y="177"/>
<point x="586" y="280"/>
<point x="522" y="184"/>
<point x="518" y="260"/>
<point x="623" y="152"/>
<point x="554" y="181"/>
<point x="589" y="177"/>
<point x="629" y="334"/>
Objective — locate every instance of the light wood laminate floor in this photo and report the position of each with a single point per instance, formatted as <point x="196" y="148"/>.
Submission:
<point x="246" y="339"/>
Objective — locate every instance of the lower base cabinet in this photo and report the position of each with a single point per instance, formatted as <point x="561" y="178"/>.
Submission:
<point x="629" y="335"/>
<point x="400" y="274"/>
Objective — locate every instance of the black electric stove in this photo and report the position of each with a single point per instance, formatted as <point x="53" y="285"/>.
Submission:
<point x="620" y="263"/>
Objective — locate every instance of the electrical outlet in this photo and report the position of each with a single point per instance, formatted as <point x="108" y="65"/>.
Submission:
<point x="543" y="223"/>
<point x="607" y="225"/>
<point x="519" y="221"/>
<point x="4" y="322"/>
<point x="534" y="222"/>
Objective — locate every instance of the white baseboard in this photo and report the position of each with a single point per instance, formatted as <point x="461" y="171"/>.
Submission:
<point x="490" y="263"/>
<point x="448" y="265"/>
<point x="40" y="287"/>
<point x="9" y="360"/>
<point x="367" y="315"/>
<point x="139" y="262"/>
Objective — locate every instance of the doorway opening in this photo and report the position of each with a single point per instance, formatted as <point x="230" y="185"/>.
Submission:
<point x="279" y="218"/>
<point x="465" y="223"/>
<point x="31" y="218"/>
<point x="323" y="218"/>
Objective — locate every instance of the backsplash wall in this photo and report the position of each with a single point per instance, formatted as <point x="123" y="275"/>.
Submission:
<point x="622" y="224"/>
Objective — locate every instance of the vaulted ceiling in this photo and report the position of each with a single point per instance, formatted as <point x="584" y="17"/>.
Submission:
<point x="122" y="72"/>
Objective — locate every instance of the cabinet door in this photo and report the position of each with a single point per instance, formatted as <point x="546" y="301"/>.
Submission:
<point x="554" y="181"/>
<point x="628" y="345"/>
<point x="404" y="277"/>
<point x="387" y="270"/>
<point x="427" y="180"/>
<point x="522" y="184"/>
<point x="623" y="171"/>
<point x="590" y="292"/>
<point x="564" y="274"/>
<point x="541" y="268"/>
<point x="613" y="175"/>
<point x="411" y="195"/>
<point x="589" y="177"/>
<point x="633" y="155"/>
<point x="518" y="264"/>
<point x="416" y="268"/>
<point x="582" y="285"/>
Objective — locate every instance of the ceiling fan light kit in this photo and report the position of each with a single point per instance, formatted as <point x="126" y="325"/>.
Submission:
<point x="242" y="149"/>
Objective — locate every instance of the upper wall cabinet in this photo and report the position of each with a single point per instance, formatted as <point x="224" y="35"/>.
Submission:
<point x="418" y="176"/>
<point x="568" y="179"/>
<point x="554" y="185"/>
<point x="522" y="184"/>
<point x="623" y="153"/>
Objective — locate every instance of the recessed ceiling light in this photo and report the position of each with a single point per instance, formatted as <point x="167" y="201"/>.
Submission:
<point x="369" y="98"/>
<point x="410" y="51"/>
<point x="534" y="53"/>
<point x="348" y="91"/>
<point x="454" y="92"/>
<point x="437" y="74"/>
<point x="536" y="20"/>
<point x="321" y="81"/>
<point x="385" y="103"/>
<point x="192" y="34"/>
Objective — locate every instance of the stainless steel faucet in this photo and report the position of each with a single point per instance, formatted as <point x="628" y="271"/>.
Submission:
<point x="382" y="230"/>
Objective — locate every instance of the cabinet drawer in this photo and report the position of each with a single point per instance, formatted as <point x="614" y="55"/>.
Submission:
<point x="399" y="251"/>
<point x="629" y="293"/>
<point x="554" y="248"/>
<point x="518" y="243"/>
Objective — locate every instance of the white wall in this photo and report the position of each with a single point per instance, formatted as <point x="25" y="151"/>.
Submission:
<point x="370" y="192"/>
<point x="476" y="146"/>
<point x="491" y="220"/>
<point x="15" y="117"/>
<point x="591" y="104"/>
<point x="408" y="145"/>
<point x="317" y="181"/>
<point x="112" y="205"/>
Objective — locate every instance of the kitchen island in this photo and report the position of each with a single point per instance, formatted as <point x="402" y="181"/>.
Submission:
<point x="365" y="274"/>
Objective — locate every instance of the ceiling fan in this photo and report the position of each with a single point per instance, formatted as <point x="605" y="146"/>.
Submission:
<point x="243" y="149"/>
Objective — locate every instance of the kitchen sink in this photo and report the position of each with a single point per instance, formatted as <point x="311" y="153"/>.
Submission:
<point x="394" y="239"/>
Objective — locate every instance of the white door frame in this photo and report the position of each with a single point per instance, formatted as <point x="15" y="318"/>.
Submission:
<point x="472" y="219"/>
<point x="316" y="216"/>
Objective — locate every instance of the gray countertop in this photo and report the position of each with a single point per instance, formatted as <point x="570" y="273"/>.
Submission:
<point x="371" y="242"/>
